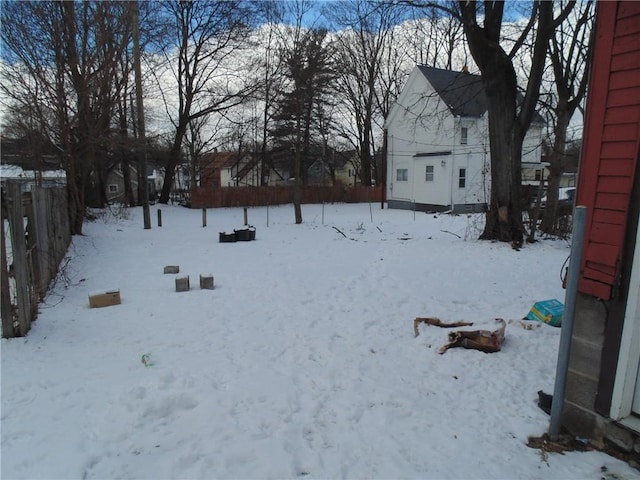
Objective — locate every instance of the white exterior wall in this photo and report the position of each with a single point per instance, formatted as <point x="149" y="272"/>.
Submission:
<point x="420" y="123"/>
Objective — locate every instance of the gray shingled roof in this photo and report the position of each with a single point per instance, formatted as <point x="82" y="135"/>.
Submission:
<point x="462" y="92"/>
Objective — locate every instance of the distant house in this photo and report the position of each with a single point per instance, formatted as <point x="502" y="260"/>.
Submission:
<point x="17" y="163"/>
<point x="334" y="167"/>
<point x="602" y="399"/>
<point x="229" y="169"/>
<point x="438" y="155"/>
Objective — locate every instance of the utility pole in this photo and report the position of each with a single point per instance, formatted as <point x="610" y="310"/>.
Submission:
<point x="142" y="159"/>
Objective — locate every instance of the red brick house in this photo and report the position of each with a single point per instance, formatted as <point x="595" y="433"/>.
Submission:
<point x="602" y="399"/>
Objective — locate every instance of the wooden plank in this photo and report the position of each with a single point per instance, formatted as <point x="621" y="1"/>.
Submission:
<point x="5" y="292"/>
<point x="603" y="254"/>
<point x="628" y="9"/>
<point x="601" y="268"/>
<point x="613" y="184"/>
<point x="624" y="96"/>
<point x="627" y="25"/>
<point x="621" y="115"/>
<point x="612" y="201"/>
<point x="595" y="289"/>
<point x="617" y="133"/>
<point x="607" y="233"/>
<point x="625" y="61"/>
<point x="598" y="276"/>
<point x="18" y="243"/>
<point x="624" y="79"/>
<point x="616" y="166"/>
<point x="626" y="43"/>
<point x="618" y="149"/>
<point x="609" y="216"/>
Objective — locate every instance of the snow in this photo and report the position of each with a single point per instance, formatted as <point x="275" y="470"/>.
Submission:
<point x="302" y="361"/>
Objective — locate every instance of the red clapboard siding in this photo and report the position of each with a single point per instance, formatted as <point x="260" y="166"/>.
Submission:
<point x="600" y="271"/>
<point x="610" y="150"/>
<point x="613" y="184"/>
<point x="624" y="96"/>
<point x="603" y="277"/>
<point x="627" y="23"/>
<point x="607" y="233"/>
<point x="604" y="254"/>
<point x="609" y="216"/>
<point x="621" y="115"/>
<point x="623" y="79"/>
<point x="595" y="289"/>
<point x="618" y="149"/>
<point x="620" y="133"/>
<point x="617" y="166"/>
<point x="612" y="201"/>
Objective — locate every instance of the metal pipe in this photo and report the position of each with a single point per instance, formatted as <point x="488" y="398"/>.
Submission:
<point x="564" y="350"/>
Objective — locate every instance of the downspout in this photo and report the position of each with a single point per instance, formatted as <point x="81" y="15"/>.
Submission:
<point x="453" y="158"/>
<point x="564" y="350"/>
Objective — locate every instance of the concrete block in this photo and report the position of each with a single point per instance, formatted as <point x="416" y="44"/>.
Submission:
<point x="206" y="282"/>
<point x="182" y="284"/>
<point x="172" y="269"/>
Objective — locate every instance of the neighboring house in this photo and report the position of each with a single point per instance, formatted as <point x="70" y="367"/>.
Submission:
<point x="115" y="184"/>
<point x="229" y="169"/>
<point x="438" y="154"/>
<point x="602" y="399"/>
<point x="335" y="167"/>
<point x="17" y="163"/>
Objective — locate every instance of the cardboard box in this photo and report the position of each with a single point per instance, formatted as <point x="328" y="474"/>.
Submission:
<point x="104" y="299"/>
<point x="547" y="311"/>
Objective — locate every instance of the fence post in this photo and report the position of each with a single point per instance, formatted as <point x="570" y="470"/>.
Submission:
<point x="5" y="295"/>
<point x="204" y="217"/>
<point x="18" y="244"/>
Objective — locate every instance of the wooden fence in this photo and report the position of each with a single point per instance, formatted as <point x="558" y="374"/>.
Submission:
<point x="36" y="234"/>
<point x="203" y="197"/>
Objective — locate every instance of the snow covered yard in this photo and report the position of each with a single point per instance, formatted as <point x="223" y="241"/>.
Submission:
<point x="302" y="361"/>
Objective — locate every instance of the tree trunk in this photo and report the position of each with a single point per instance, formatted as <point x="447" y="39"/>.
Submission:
<point x="504" y="216"/>
<point x="172" y="162"/>
<point x="556" y="169"/>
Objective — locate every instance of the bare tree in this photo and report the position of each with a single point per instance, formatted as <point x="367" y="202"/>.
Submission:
<point x="570" y="52"/>
<point x="435" y="38"/>
<point x="63" y="60"/>
<point x="207" y="34"/>
<point x="363" y="45"/>
<point x="509" y="116"/>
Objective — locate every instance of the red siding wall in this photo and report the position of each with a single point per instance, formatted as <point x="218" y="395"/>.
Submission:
<point x="611" y="143"/>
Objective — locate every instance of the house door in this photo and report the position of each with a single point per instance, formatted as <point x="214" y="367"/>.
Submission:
<point x="633" y="308"/>
<point x="625" y="401"/>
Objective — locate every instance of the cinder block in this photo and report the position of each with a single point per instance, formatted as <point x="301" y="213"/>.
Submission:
<point x="206" y="282"/>
<point x="172" y="269"/>
<point x="182" y="284"/>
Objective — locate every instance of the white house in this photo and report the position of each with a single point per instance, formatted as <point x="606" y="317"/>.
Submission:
<point x="438" y="156"/>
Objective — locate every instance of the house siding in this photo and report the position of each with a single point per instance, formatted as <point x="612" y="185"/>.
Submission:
<point x="422" y="131"/>
<point x="611" y="145"/>
<point x="607" y="186"/>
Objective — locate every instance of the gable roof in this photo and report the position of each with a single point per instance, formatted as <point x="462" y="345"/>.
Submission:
<point x="462" y="92"/>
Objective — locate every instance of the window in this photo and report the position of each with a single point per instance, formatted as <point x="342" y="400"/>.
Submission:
<point x="462" y="178"/>
<point x="429" y="174"/>
<point x="464" y="134"/>
<point x="538" y="175"/>
<point x="113" y="188"/>
<point x="402" y="174"/>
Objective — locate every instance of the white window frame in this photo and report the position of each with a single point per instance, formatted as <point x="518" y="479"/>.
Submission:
<point x="405" y="176"/>
<point x="462" y="177"/>
<point x="429" y="173"/>
<point x="464" y="135"/>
